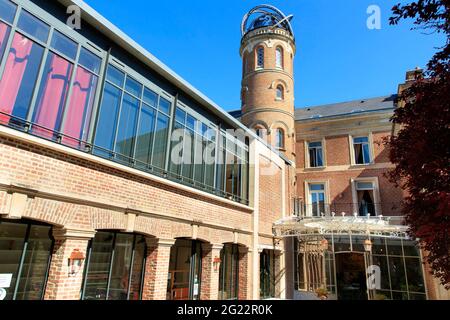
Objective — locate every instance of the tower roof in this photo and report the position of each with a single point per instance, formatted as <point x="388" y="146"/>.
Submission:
<point x="263" y="16"/>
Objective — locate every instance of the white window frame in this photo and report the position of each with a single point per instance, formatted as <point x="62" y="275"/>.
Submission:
<point x="369" y="137"/>
<point x="324" y="153"/>
<point x="308" y="192"/>
<point x="376" y="193"/>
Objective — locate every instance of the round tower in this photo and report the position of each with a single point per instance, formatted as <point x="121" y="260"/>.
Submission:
<point x="267" y="51"/>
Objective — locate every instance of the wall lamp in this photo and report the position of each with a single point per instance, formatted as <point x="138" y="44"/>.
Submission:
<point x="76" y="260"/>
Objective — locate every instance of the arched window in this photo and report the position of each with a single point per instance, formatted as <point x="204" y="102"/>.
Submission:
<point x="280" y="92"/>
<point x="279" y="136"/>
<point x="279" y="57"/>
<point x="260" y="57"/>
<point x="260" y="132"/>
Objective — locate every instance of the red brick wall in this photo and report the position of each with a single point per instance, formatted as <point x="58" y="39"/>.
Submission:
<point x="269" y="198"/>
<point x="52" y="172"/>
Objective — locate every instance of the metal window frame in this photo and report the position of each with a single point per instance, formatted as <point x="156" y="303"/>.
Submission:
<point x="111" y="263"/>
<point x="29" y="225"/>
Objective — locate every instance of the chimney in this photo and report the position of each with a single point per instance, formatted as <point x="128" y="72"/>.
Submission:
<point x="413" y="75"/>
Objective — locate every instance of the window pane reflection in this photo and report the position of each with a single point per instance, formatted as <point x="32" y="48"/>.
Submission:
<point x="19" y="77"/>
<point x="7" y="10"/>
<point x="33" y="26"/>
<point x="52" y="95"/>
<point x="33" y="244"/>
<point x="115" y="267"/>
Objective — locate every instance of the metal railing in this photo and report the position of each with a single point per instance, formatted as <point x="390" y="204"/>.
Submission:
<point x="362" y="209"/>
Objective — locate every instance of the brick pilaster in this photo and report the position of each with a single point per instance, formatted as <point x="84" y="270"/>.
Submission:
<point x="210" y="272"/>
<point x="61" y="285"/>
<point x="157" y="269"/>
<point x="243" y="293"/>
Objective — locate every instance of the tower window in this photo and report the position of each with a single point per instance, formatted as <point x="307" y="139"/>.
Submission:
<point x="279" y="136"/>
<point x="260" y="57"/>
<point x="279" y="57"/>
<point x="260" y="132"/>
<point x="280" y="92"/>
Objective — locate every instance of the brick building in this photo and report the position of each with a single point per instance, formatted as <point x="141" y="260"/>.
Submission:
<point x="121" y="181"/>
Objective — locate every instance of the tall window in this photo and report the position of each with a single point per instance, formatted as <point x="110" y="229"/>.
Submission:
<point x="279" y="57"/>
<point x="260" y="132"/>
<point x="361" y="150"/>
<point x="65" y="68"/>
<point x="260" y="57"/>
<point x="267" y="274"/>
<point x="25" y="253"/>
<point x="54" y="86"/>
<point x="81" y="102"/>
<point x="114" y="267"/>
<point x="234" y="153"/>
<point x="229" y="272"/>
<point x="196" y="161"/>
<point x="317" y="199"/>
<point x="279" y="138"/>
<point x="365" y="191"/>
<point x="280" y="92"/>
<point x="133" y="122"/>
<point x="21" y="70"/>
<point x="315" y="152"/>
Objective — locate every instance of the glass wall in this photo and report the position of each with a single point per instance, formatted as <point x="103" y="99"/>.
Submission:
<point x="25" y="253"/>
<point x="114" y="267"/>
<point x="193" y="149"/>
<point x="58" y="85"/>
<point x="399" y="260"/>
<point x="184" y="281"/>
<point x="401" y="269"/>
<point x="133" y="122"/>
<point x="229" y="272"/>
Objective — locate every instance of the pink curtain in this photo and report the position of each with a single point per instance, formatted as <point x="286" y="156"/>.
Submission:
<point x="51" y="102"/>
<point x="80" y="107"/>
<point x="13" y="74"/>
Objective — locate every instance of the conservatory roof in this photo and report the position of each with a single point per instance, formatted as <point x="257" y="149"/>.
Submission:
<point x="380" y="226"/>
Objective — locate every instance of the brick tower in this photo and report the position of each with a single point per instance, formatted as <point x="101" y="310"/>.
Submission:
<point x="267" y="51"/>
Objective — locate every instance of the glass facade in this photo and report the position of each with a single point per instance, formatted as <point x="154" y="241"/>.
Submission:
<point x="267" y="274"/>
<point x="184" y="280"/>
<point x="58" y="85"/>
<point x="114" y="267"/>
<point x="341" y="268"/>
<point x="25" y="253"/>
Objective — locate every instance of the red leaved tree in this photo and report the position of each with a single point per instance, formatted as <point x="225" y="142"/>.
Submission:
<point x="421" y="147"/>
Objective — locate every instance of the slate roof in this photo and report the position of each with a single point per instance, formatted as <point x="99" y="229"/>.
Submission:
<point x="347" y="108"/>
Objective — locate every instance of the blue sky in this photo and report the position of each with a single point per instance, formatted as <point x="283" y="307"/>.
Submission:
<point x="338" y="57"/>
